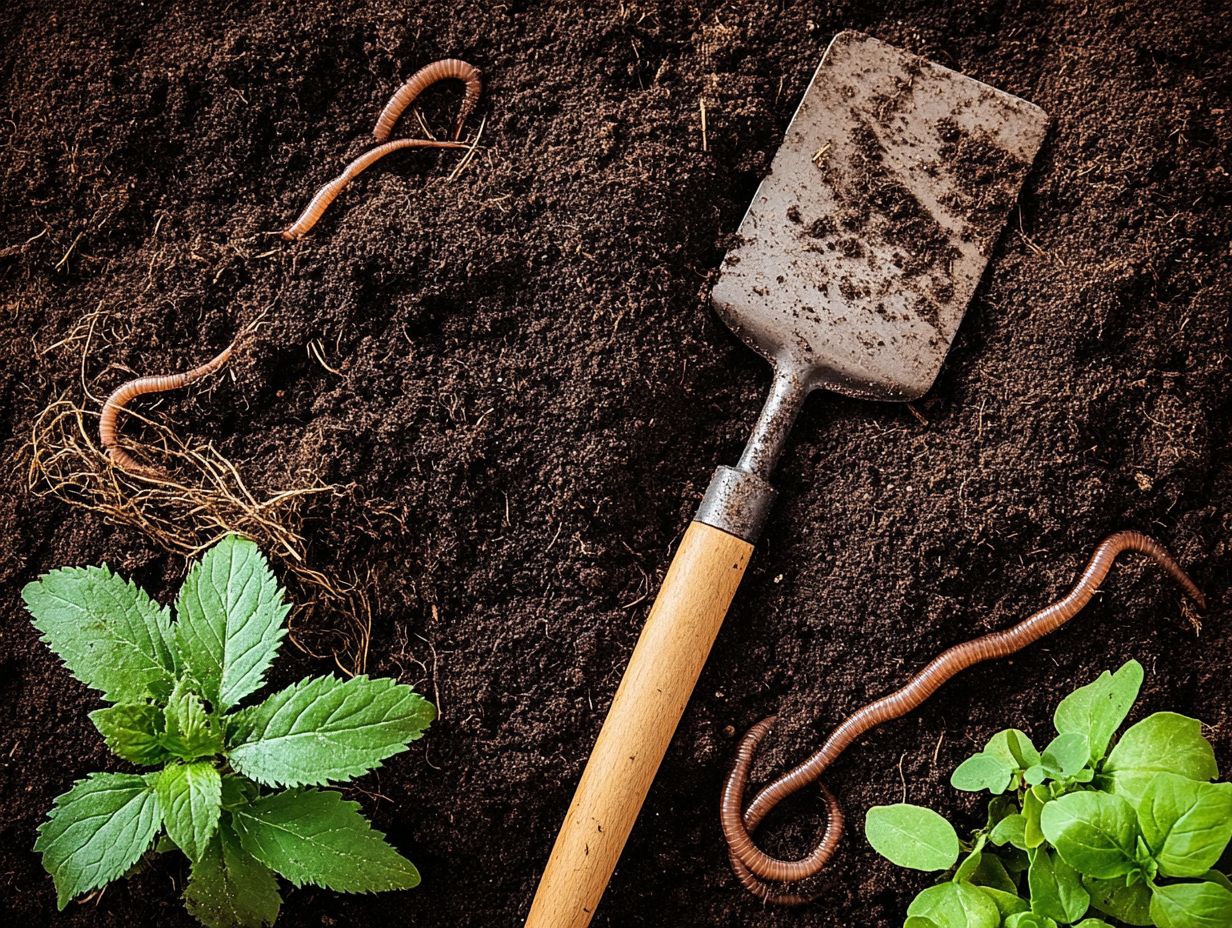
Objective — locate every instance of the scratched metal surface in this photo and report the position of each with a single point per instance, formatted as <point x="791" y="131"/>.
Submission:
<point x="866" y="241"/>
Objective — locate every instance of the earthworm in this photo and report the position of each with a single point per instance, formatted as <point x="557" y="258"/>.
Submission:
<point x="753" y="867"/>
<point x="421" y="80"/>
<point x="127" y="392"/>
<point x="327" y="194"/>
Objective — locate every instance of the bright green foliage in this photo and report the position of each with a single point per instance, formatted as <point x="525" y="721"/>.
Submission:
<point x="955" y="905"/>
<point x="983" y="772"/>
<point x="324" y="730"/>
<point x="188" y="731"/>
<point x="1131" y="830"/>
<point x="174" y="688"/>
<point x="912" y="836"/>
<point x="1097" y="710"/>
<point x="110" y="635"/>
<point x="1192" y="905"/>
<point x="229" y="887"/>
<point x="133" y="731"/>
<point x="96" y="831"/>
<point x="1056" y="888"/>
<point x="190" y="796"/>
<point x="231" y="614"/>
<point x="1094" y="832"/>
<point x="1161" y="743"/>
<point x="315" y="836"/>
<point x="1185" y="823"/>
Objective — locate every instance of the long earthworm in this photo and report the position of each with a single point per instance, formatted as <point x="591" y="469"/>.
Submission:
<point x="327" y="194"/>
<point x="108" y="431"/>
<point x="753" y="867"/>
<point x="421" y="80"/>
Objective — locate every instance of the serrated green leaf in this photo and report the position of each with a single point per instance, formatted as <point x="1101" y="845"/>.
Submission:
<point x="315" y="836"/>
<point x="1095" y="833"/>
<point x="132" y="731"/>
<point x="230" y="621"/>
<point x="237" y="791"/>
<point x="1056" y="888"/>
<point x="325" y="730"/>
<point x="190" y="796"/>
<point x="956" y="905"/>
<point x="1191" y="905"/>
<point x="1098" y="709"/>
<point x="982" y="772"/>
<point x="1129" y="904"/>
<point x="96" y="831"/>
<point x="1186" y="823"/>
<point x="110" y="635"/>
<point x="229" y="888"/>
<point x="188" y="731"/>
<point x="1161" y="743"/>
<point x="912" y="836"/>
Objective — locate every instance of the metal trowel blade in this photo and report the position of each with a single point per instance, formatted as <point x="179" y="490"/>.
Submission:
<point x="863" y="246"/>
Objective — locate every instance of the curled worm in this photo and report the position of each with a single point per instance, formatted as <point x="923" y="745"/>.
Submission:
<point x="127" y="392"/>
<point x="421" y="80"/>
<point x="754" y="867"/>
<point x="327" y="194"/>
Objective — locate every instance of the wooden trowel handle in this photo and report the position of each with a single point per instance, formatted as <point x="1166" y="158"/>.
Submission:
<point x="673" y="646"/>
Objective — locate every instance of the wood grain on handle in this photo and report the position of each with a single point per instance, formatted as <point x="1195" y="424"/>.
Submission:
<point x="662" y="672"/>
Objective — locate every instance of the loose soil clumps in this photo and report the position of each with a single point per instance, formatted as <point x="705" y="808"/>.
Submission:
<point x="514" y="385"/>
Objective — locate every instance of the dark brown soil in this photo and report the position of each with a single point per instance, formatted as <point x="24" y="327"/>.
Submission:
<point x="533" y="392"/>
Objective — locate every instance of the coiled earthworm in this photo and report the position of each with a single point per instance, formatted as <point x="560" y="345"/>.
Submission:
<point x="327" y="194"/>
<point x="753" y="867"/>
<point x="421" y="80"/>
<point x="127" y="392"/>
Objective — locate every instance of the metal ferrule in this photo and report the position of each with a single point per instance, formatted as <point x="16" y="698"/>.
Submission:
<point x="740" y="497"/>
<point x="737" y="502"/>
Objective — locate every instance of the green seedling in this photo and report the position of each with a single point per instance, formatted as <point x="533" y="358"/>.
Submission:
<point x="175" y="690"/>
<point x="1086" y="829"/>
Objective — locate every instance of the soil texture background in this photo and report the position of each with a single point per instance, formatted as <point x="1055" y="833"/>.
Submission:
<point x="519" y="387"/>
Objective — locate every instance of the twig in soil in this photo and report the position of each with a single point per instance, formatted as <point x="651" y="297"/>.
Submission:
<point x="185" y="518"/>
<point x="753" y="867"/>
<point x="470" y="153"/>
<point x="421" y="80"/>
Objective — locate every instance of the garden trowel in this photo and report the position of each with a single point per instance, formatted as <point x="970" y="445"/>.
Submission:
<point x="852" y="270"/>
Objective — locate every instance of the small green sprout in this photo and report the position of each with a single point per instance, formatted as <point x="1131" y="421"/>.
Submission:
<point x="176" y="689"/>
<point x="1132" y="830"/>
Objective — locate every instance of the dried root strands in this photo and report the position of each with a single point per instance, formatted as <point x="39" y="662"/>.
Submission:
<point x="327" y="194"/>
<point x="421" y="80"/>
<point x="108" y="430"/>
<point x="754" y="867"/>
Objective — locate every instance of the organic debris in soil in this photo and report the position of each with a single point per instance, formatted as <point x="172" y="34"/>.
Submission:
<point x="517" y="375"/>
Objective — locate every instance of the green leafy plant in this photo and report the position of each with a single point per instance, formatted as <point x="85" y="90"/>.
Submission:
<point x="1133" y="830"/>
<point x="175" y="689"/>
